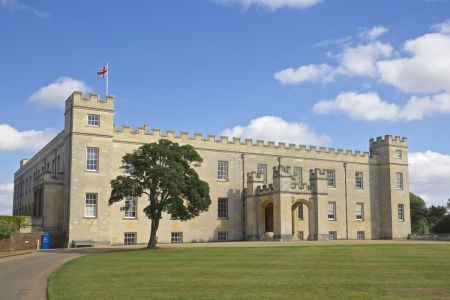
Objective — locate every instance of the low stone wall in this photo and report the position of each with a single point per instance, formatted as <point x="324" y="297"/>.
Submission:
<point x="20" y="242"/>
<point x="430" y="237"/>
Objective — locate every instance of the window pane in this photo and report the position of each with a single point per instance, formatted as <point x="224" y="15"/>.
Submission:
<point x="93" y="120"/>
<point x="92" y="159"/>
<point x="331" y="210"/>
<point x="222" y="212"/>
<point x="262" y="169"/>
<point x="331" y="178"/>
<point x="90" y="209"/>
<point x="130" y="207"/>
<point x="298" y="174"/>
<point x="359" y="180"/>
<point x="399" y="181"/>
<point x="359" y="211"/>
<point x="222" y="170"/>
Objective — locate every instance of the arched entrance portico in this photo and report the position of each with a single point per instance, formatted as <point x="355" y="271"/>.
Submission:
<point x="301" y="217"/>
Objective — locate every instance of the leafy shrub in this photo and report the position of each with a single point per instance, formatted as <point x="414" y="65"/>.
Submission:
<point x="10" y="224"/>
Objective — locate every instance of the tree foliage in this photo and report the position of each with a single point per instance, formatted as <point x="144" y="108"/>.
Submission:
<point x="419" y="213"/>
<point x="163" y="171"/>
<point x="10" y="224"/>
<point x="443" y="226"/>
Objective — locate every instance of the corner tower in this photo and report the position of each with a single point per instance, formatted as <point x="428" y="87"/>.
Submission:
<point x="389" y="155"/>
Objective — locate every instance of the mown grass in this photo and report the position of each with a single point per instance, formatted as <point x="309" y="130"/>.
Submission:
<point x="341" y="272"/>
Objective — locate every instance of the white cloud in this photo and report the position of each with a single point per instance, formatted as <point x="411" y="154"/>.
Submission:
<point x="443" y="27"/>
<point x="370" y="107"/>
<point x="361" y="59"/>
<point x="429" y="176"/>
<point x="353" y="60"/>
<point x="272" y="4"/>
<point x="366" y="106"/>
<point x="16" y="5"/>
<point x="14" y="140"/>
<point x="6" y="198"/>
<point x="373" y="33"/>
<point x="276" y="129"/>
<point x="304" y="73"/>
<point x="56" y="93"/>
<point x="425" y="70"/>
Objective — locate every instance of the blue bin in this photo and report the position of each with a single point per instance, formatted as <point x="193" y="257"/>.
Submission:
<point x="46" y="240"/>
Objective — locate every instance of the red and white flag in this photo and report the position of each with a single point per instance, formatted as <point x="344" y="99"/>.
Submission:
<point x="103" y="72"/>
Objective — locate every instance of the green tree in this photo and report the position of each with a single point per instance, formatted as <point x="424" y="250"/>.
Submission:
<point x="443" y="226"/>
<point x="435" y="214"/>
<point x="419" y="213"/>
<point x="163" y="171"/>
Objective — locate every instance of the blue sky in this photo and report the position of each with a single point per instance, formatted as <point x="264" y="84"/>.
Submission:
<point x="333" y="73"/>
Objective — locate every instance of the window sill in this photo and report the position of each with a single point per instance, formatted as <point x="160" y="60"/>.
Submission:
<point x="89" y="218"/>
<point x="222" y="180"/>
<point x="125" y="218"/>
<point x="96" y="126"/>
<point x="224" y="219"/>
<point x="332" y="220"/>
<point x="91" y="171"/>
<point x="359" y="220"/>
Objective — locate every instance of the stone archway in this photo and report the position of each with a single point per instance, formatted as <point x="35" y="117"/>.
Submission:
<point x="301" y="218"/>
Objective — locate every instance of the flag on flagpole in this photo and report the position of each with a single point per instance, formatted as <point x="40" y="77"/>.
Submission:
<point x="103" y="72"/>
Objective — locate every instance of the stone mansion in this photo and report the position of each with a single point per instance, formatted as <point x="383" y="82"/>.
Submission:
<point x="259" y="190"/>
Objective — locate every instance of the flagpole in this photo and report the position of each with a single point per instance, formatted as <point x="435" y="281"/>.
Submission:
<point x="107" y="78"/>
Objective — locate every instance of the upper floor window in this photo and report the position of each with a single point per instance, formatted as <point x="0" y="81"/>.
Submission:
<point x="262" y="169"/>
<point x="90" y="208"/>
<point x="331" y="178"/>
<point x="92" y="159"/>
<point x="399" y="181"/>
<point x="398" y="154"/>
<point x="401" y="212"/>
<point x="222" y="208"/>
<point x="222" y="170"/>
<point x="93" y="120"/>
<point x="129" y="211"/>
<point x="298" y="174"/>
<point x="359" y="211"/>
<point x="300" y="211"/>
<point x="332" y="211"/>
<point x="359" y="180"/>
<point x="128" y="169"/>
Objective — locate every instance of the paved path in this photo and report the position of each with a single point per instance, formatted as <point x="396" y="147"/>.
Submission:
<point x="25" y="276"/>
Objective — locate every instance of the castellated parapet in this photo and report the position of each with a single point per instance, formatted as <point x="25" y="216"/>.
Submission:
<point x="388" y="140"/>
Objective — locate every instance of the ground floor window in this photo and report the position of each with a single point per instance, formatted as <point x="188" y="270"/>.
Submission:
<point x="300" y="235"/>
<point x="360" y="235"/>
<point x="176" y="237"/>
<point x="222" y="236"/>
<point x="332" y="235"/>
<point x="129" y="238"/>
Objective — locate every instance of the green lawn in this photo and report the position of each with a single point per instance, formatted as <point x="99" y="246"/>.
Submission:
<point x="342" y="272"/>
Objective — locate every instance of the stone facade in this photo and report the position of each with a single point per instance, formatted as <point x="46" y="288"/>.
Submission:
<point x="264" y="190"/>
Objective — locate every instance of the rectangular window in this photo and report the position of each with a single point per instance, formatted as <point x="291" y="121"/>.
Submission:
<point x="298" y="174"/>
<point x="331" y="178"/>
<point x="222" y="171"/>
<point x="398" y="154"/>
<point x="401" y="212"/>
<point x="300" y="211"/>
<point x="129" y="238"/>
<point x="359" y="211"/>
<point x="262" y="169"/>
<point x="399" y="181"/>
<point x="360" y="235"/>
<point x="129" y="211"/>
<point x="222" y="209"/>
<point x="332" y="235"/>
<point x="331" y="211"/>
<point x="93" y="120"/>
<point x="92" y="159"/>
<point x="176" y="237"/>
<point x="359" y="180"/>
<point x="222" y="236"/>
<point x="90" y="208"/>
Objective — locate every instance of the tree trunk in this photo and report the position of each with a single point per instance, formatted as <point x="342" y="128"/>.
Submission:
<point x="154" y="228"/>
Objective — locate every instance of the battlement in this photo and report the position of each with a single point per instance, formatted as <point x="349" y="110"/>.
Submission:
<point x="388" y="140"/>
<point x="266" y="188"/>
<point x="254" y="177"/>
<point x="94" y="101"/>
<point x="127" y="133"/>
<point x="279" y="171"/>
<point x="317" y="173"/>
